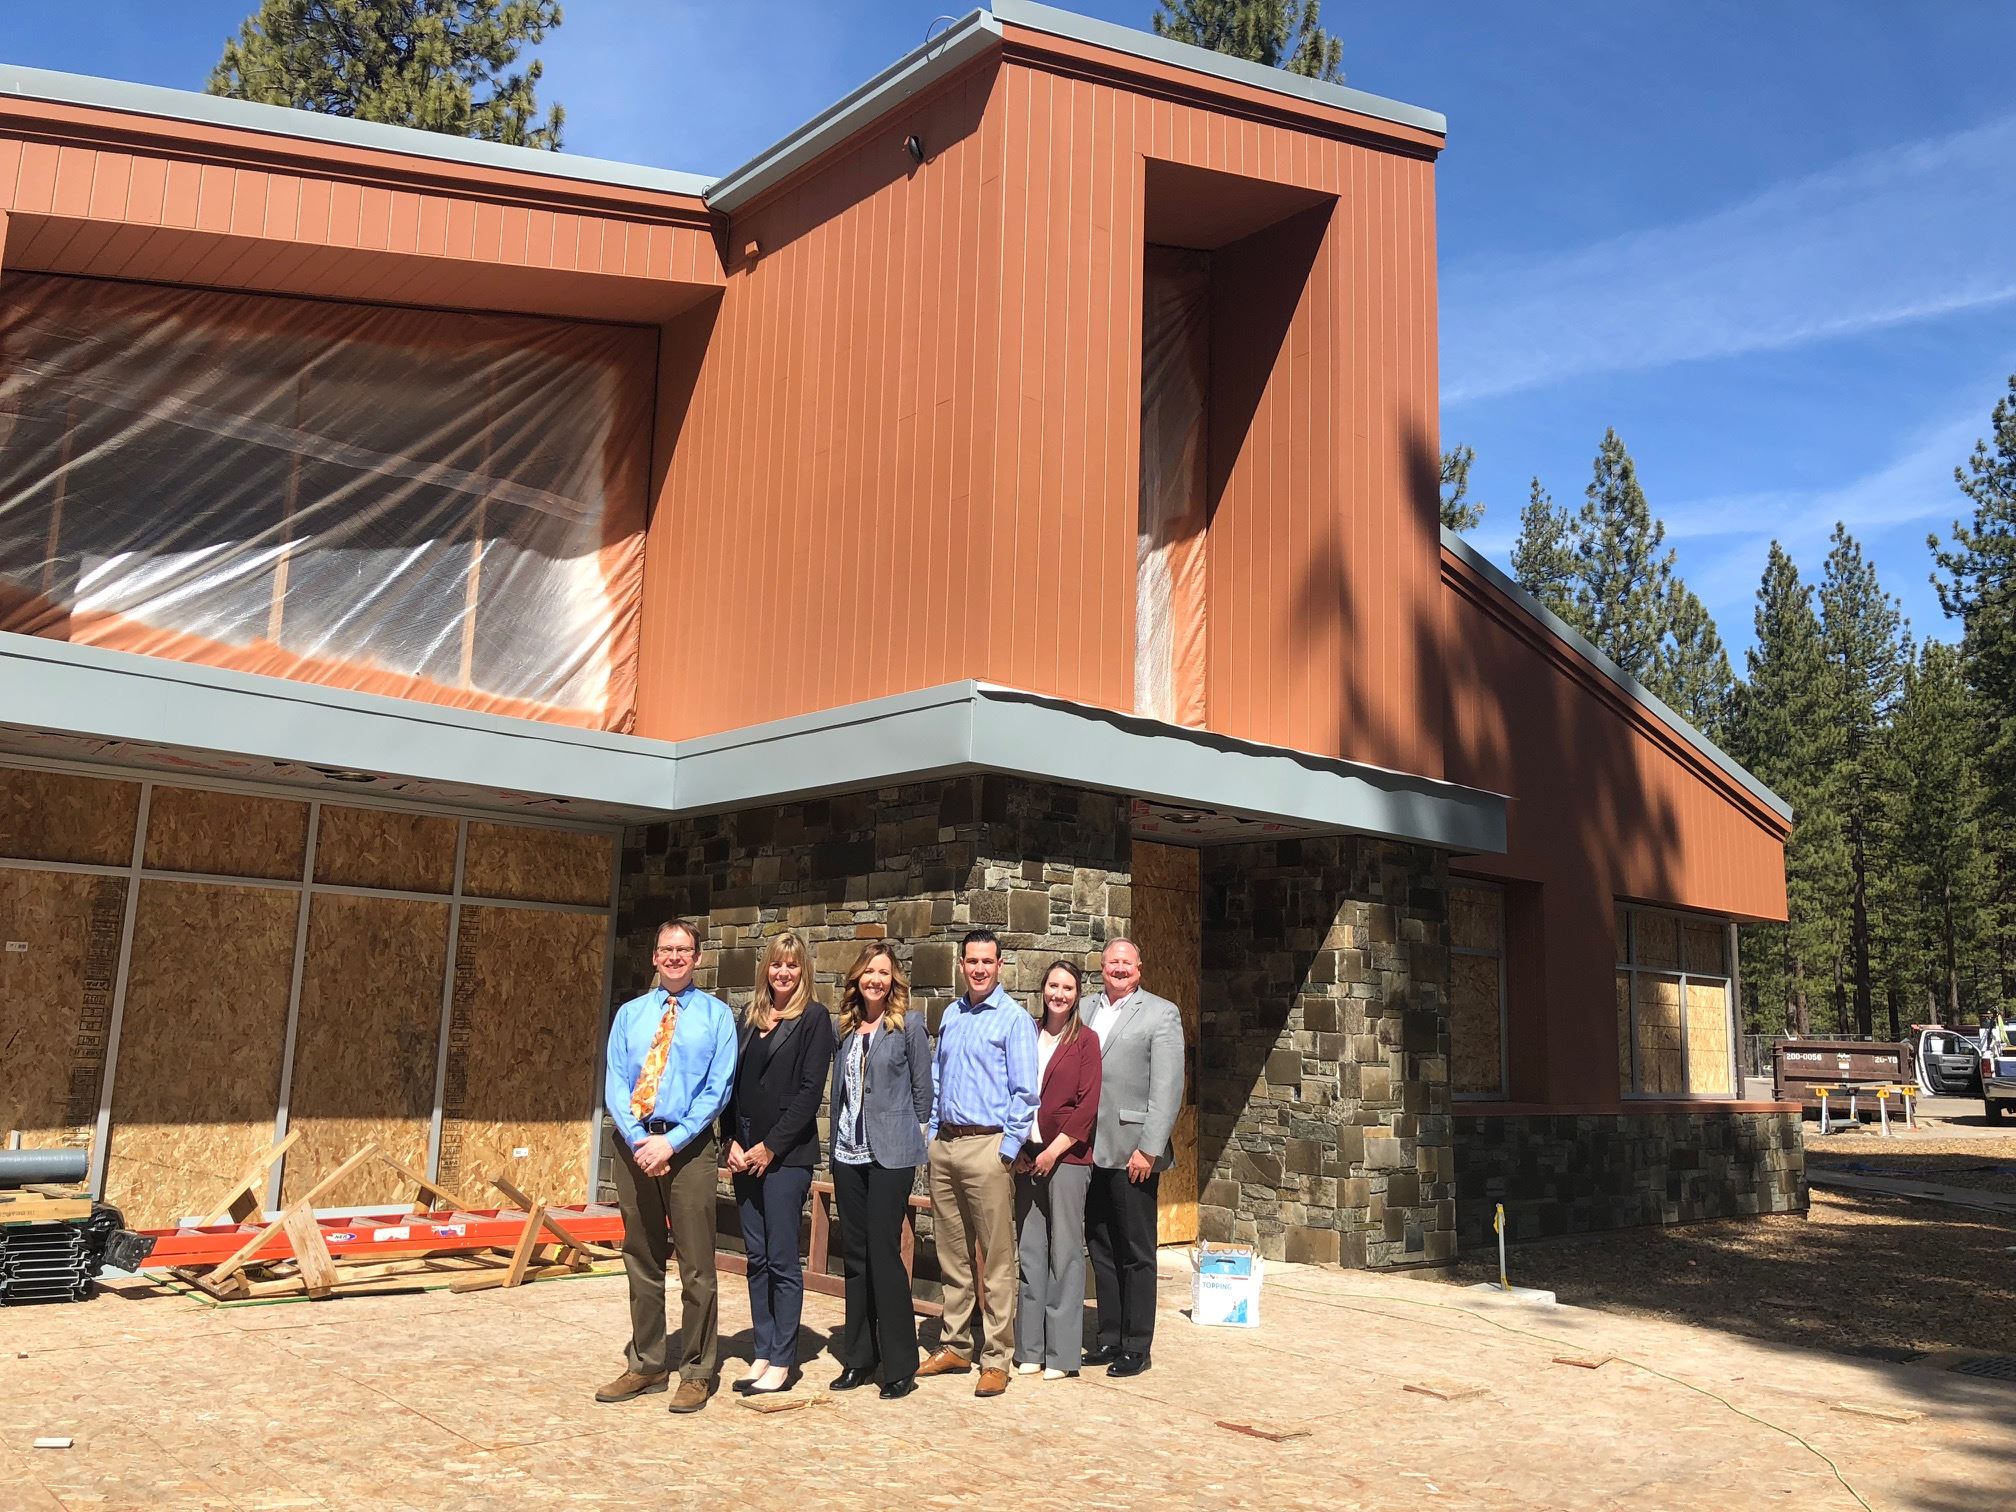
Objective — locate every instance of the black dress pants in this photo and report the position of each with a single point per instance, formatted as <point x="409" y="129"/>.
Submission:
<point x="1120" y="1237"/>
<point x="881" y="1326"/>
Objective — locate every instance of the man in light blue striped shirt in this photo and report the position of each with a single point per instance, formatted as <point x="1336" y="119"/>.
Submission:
<point x="985" y="1076"/>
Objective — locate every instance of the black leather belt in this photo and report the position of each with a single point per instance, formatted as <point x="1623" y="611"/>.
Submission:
<point x="966" y="1131"/>
<point x="656" y="1126"/>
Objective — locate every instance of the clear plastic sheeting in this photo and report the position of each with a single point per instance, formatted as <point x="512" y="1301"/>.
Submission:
<point x="1169" y="646"/>
<point x="431" y="505"/>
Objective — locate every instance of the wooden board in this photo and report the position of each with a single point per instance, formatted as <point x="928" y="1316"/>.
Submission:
<point x="363" y="847"/>
<point x="1475" y="1024"/>
<point x="1660" y="1052"/>
<point x="1168" y="924"/>
<point x="58" y="997"/>
<point x="198" y="1079"/>
<point x="225" y="834"/>
<point x="1476" y="916"/>
<point x="1624" y="1032"/>
<point x="365" y="1043"/>
<point x="537" y="865"/>
<point x="1708" y="1037"/>
<point x="523" y="1047"/>
<point x="55" y="816"/>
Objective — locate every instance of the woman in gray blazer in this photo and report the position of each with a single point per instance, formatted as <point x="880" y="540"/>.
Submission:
<point x="880" y="1100"/>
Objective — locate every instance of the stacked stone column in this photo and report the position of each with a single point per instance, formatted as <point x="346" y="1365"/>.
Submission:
<point x="1325" y="1112"/>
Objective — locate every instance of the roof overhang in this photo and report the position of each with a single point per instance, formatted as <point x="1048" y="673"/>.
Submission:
<point x="110" y="705"/>
<point x="1633" y="691"/>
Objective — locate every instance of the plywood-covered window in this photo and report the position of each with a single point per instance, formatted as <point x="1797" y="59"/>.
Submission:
<point x="1676" y="1004"/>
<point x="1476" y="989"/>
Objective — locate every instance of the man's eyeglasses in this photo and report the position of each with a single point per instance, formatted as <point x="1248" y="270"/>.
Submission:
<point x="675" y="950"/>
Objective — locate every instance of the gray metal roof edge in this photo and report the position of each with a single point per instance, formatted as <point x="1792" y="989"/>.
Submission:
<point x="284" y="120"/>
<point x="1625" y="683"/>
<point x="915" y="71"/>
<point x="1109" y="34"/>
<point x="15" y="647"/>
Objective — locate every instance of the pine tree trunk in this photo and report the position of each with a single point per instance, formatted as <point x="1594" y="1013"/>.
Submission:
<point x="1949" y="938"/>
<point x="1858" y="932"/>
<point x="1890" y="1000"/>
<point x="1841" y="1026"/>
<point x="1802" y="1021"/>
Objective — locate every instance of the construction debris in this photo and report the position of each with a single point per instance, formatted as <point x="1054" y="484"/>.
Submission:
<point x="442" y="1236"/>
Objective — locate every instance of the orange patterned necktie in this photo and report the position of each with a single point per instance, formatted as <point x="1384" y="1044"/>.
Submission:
<point x="645" y="1097"/>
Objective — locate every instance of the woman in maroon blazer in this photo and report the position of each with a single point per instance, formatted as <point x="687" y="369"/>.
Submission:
<point x="1051" y="1176"/>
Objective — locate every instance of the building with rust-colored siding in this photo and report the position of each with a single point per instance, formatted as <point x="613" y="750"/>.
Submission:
<point x="1010" y="500"/>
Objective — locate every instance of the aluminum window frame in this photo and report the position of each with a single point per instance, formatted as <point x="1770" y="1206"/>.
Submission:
<point x="1631" y="968"/>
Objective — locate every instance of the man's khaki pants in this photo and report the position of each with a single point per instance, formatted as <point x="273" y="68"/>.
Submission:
<point x="973" y="1201"/>
<point x="664" y="1215"/>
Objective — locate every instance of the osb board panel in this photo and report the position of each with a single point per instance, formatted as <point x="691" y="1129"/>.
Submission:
<point x="198" y="1080"/>
<point x="1658" y="939"/>
<point x="522" y="1050"/>
<point x="405" y="852"/>
<point x="1476" y="917"/>
<point x="1708" y="1037"/>
<point x="58" y="995"/>
<point x="365" y="1042"/>
<point x="1475" y="1024"/>
<point x="225" y="834"/>
<point x="1704" y="947"/>
<point x="1170" y="866"/>
<point x="537" y="865"/>
<point x="1168" y="925"/>
<point x="57" y="816"/>
<point x="1660" y="1051"/>
<point x="1624" y="1032"/>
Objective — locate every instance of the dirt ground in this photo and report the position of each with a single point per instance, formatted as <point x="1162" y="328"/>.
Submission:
<point x="1356" y="1392"/>
<point x="1861" y="1274"/>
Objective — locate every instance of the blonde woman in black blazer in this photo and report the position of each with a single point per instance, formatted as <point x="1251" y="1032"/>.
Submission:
<point x="771" y="1132"/>
<point x="880" y="1100"/>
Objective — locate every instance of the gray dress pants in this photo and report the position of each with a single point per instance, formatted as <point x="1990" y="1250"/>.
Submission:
<point x="1050" y="1320"/>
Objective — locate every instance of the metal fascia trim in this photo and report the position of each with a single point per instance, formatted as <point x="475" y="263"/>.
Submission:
<point x="916" y="70"/>
<point x="343" y="131"/>
<point x="1625" y="683"/>
<point x="875" y="743"/>
<point x="1055" y="740"/>
<point x="117" y="695"/>
<point x="1125" y="39"/>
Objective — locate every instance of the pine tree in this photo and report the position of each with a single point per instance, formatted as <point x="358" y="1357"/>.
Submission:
<point x="1977" y="586"/>
<point x="1459" y="511"/>
<point x="1690" y="671"/>
<point x="1785" y="728"/>
<point x="1543" y="557"/>
<point x="1938" y="889"/>
<point x="1279" y="33"/>
<point x="1862" y="630"/>
<point x="1623" y="577"/>
<point x="441" y="65"/>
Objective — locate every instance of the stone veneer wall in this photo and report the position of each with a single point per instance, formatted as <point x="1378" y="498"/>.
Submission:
<point x="1578" y="1173"/>
<point x="1325" y="1111"/>
<point x="1045" y="867"/>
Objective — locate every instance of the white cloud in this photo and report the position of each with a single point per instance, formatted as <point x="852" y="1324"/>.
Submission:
<point x="1913" y="231"/>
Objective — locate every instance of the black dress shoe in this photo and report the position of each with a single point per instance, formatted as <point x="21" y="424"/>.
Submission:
<point x="849" y="1378"/>
<point x="1128" y="1365"/>
<point x="893" y="1390"/>
<point x="1105" y="1354"/>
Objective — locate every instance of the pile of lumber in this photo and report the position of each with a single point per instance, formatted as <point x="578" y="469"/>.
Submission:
<point x="237" y="1256"/>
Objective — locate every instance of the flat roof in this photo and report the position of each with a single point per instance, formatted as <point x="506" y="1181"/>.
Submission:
<point x="374" y="744"/>
<point x="963" y="40"/>
<point x="343" y="131"/>
<point x="1623" y="681"/>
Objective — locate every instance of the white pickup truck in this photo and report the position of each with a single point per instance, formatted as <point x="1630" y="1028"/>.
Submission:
<point x="1998" y="1083"/>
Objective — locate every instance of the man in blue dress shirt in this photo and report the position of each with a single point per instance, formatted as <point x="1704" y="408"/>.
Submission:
<point x="985" y="1076"/>
<point x="671" y="1066"/>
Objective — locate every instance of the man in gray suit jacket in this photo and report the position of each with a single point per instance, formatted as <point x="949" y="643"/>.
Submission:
<point x="1141" y="1089"/>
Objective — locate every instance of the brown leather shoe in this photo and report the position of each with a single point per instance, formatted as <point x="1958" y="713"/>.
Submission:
<point x="945" y="1362"/>
<point x="691" y="1396"/>
<point x="992" y="1383"/>
<point x="631" y="1384"/>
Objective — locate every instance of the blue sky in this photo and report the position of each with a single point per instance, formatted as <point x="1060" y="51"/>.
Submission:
<point x="1774" y="245"/>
